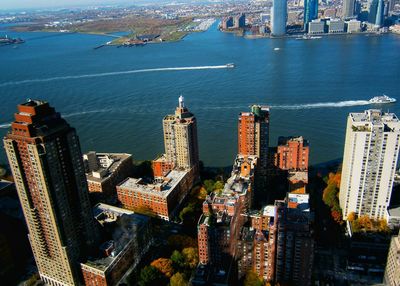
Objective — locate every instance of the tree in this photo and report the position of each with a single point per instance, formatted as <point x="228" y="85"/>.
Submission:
<point x="179" y="241"/>
<point x="202" y="194"/>
<point x="252" y="279"/>
<point x="164" y="265"/>
<point x="178" y="280"/>
<point x="191" y="257"/>
<point x="187" y="213"/>
<point x="209" y="185"/>
<point x="177" y="259"/>
<point x="149" y="276"/>
<point x="219" y="185"/>
<point x="351" y="216"/>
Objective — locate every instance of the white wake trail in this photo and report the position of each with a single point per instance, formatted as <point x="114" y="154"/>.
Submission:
<point x="40" y="80"/>
<point x="323" y="105"/>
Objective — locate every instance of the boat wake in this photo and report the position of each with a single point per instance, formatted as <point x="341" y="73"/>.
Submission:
<point x="323" y="105"/>
<point x="59" y="78"/>
<point x="5" y="125"/>
<point x="67" y="115"/>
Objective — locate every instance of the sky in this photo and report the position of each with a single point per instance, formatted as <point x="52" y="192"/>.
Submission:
<point x="28" y="4"/>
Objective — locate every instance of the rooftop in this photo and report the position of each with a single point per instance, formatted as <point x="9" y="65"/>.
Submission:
<point x="124" y="227"/>
<point x="299" y="202"/>
<point x="162" y="189"/>
<point x="107" y="164"/>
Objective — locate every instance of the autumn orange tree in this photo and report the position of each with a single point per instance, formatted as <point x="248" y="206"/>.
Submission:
<point x="330" y="196"/>
<point x="164" y="265"/>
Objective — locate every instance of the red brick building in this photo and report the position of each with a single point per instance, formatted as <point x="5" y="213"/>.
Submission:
<point x="161" y="198"/>
<point x="292" y="153"/>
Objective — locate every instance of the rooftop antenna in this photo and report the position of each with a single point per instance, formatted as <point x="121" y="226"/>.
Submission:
<point x="181" y="101"/>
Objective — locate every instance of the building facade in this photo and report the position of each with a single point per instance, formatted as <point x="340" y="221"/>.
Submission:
<point x="370" y="158"/>
<point x="279" y="17"/>
<point x="294" y="242"/>
<point x="335" y="26"/>
<point x="162" y="198"/>
<point x="46" y="161"/>
<point x="392" y="271"/>
<point x="180" y="138"/>
<point x="310" y="12"/>
<point x="104" y="171"/>
<point x="348" y="8"/>
<point x="253" y="134"/>
<point x="131" y="239"/>
<point x="239" y="21"/>
<point x="292" y="153"/>
<point x="316" y="27"/>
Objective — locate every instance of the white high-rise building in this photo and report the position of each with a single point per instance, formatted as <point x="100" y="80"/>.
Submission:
<point x="369" y="163"/>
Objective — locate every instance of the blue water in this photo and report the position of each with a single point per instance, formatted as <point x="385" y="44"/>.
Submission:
<point x="123" y="112"/>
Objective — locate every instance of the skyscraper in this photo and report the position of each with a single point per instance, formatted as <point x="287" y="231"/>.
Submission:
<point x="180" y="138"/>
<point x="348" y="8"/>
<point x="369" y="163"/>
<point x="46" y="162"/>
<point x="253" y="134"/>
<point x="376" y="10"/>
<point x="310" y="11"/>
<point x="279" y="17"/>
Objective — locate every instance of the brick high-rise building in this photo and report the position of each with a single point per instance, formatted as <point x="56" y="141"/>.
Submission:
<point x="292" y="154"/>
<point x="294" y="243"/>
<point x="180" y="138"/>
<point x="220" y="225"/>
<point x="46" y="162"/>
<point x="253" y="135"/>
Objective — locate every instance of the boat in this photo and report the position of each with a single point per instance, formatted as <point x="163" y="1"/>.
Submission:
<point x="230" y="65"/>
<point x="308" y="37"/>
<point x="382" y="99"/>
<point x="9" y="41"/>
<point x="276" y="49"/>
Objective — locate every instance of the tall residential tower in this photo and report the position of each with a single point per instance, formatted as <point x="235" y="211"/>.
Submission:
<point x="180" y="138"/>
<point x="46" y="162"/>
<point x="253" y="134"/>
<point x="369" y="163"/>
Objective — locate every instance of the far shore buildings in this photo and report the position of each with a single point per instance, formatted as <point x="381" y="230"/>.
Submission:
<point x="279" y="17"/>
<point x="234" y="22"/>
<point x="104" y="171"/>
<point x="369" y="163"/>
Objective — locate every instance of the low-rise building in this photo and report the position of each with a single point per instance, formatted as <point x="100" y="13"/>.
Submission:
<point x="239" y="21"/>
<point x="162" y="197"/>
<point x="353" y="26"/>
<point x="161" y="166"/>
<point x="130" y="239"/>
<point x="292" y="153"/>
<point x="104" y="171"/>
<point x="335" y="26"/>
<point x="298" y="181"/>
<point x="316" y="27"/>
<point x="227" y="23"/>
